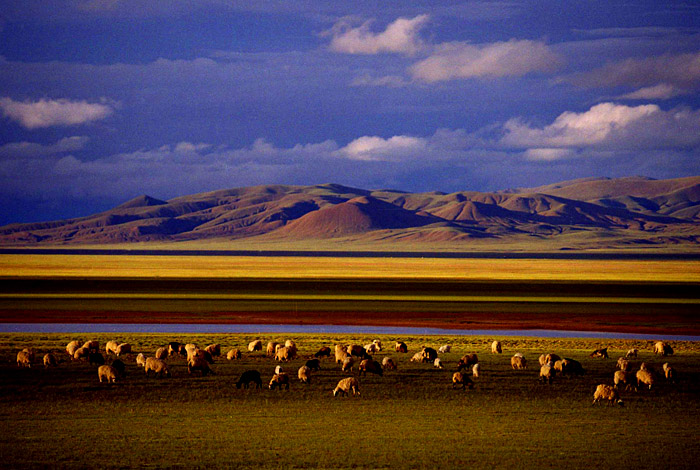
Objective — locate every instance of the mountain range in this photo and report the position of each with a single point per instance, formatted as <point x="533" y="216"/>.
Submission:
<point x="580" y="214"/>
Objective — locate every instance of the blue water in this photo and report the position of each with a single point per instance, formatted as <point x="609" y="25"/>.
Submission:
<point x="182" y="328"/>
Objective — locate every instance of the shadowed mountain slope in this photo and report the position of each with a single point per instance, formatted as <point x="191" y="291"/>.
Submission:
<point x="622" y="212"/>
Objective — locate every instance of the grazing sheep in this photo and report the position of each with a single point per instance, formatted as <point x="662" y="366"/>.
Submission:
<point x="606" y="392"/>
<point x="444" y="349"/>
<point x="357" y="350"/>
<point x="313" y="364"/>
<point x="437" y="363"/>
<point x="345" y="386"/>
<point x="622" y="363"/>
<point x="124" y="348"/>
<point x="646" y="367"/>
<point x="417" y="357"/>
<point x="669" y="372"/>
<point x="401" y="347"/>
<point x="190" y="348"/>
<point x="158" y="366"/>
<point x="340" y="355"/>
<point x="24" y="359"/>
<point x="72" y="347"/>
<point x="174" y="348"/>
<point x="428" y="354"/>
<point x="603" y="353"/>
<point x="290" y="344"/>
<point x="141" y="360"/>
<point x="476" y="370"/>
<point x="371" y="366"/>
<point x="50" y="360"/>
<point x="120" y="367"/>
<point x="198" y="363"/>
<point x="662" y="348"/>
<point x="547" y="372"/>
<point x="108" y="373"/>
<point x="96" y="358"/>
<point x="92" y="345"/>
<point x="542" y="359"/>
<point x="496" y="347"/>
<point x="632" y="353"/>
<point x="378" y="343"/>
<point x="622" y="377"/>
<point x="467" y="360"/>
<point x="518" y="362"/>
<point x="347" y="364"/>
<point x="388" y="364"/>
<point x="278" y="370"/>
<point x="161" y="353"/>
<point x="255" y="345"/>
<point x="571" y="367"/>
<point x="234" y="354"/>
<point x="271" y="348"/>
<point x="460" y="379"/>
<point x="111" y="347"/>
<point x="324" y="351"/>
<point x="371" y="348"/>
<point x="278" y="380"/>
<point x="204" y="354"/>
<point x="645" y="377"/>
<point x="249" y="376"/>
<point x="214" y="350"/>
<point x="283" y="354"/>
<point x="551" y="357"/>
<point x="304" y="374"/>
<point x="81" y="353"/>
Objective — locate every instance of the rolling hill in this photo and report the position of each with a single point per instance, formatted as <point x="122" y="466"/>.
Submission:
<point x="597" y="213"/>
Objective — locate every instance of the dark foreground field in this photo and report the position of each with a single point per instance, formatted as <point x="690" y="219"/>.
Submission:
<point x="409" y="418"/>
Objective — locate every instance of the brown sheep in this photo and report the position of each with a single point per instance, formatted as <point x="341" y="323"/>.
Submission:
<point x="551" y="357"/>
<point x="645" y="377"/>
<point x="388" y="364"/>
<point x="304" y="374"/>
<point x="200" y="364"/>
<point x="271" y="348"/>
<point x="124" y="348"/>
<point x="467" y="361"/>
<point x="234" y="354"/>
<point x="284" y="354"/>
<point x="518" y="362"/>
<point x="24" y="359"/>
<point x="401" y="347"/>
<point x="278" y="380"/>
<point x="50" y="360"/>
<point x="159" y="367"/>
<point x="72" y="347"/>
<point x="92" y="345"/>
<point x="324" y="351"/>
<point x="461" y="380"/>
<point x="161" y="353"/>
<point x="623" y="363"/>
<point x="347" y="363"/>
<point x="108" y="373"/>
<point x="606" y="392"/>
<point x="547" y="373"/>
<point x="345" y="386"/>
<point x="214" y="350"/>
<point x="621" y="377"/>
<point x="372" y="366"/>
<point x="603" y="353"/>
<point x="81" y="353"/>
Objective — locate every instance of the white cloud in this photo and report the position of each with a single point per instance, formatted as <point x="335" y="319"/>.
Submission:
<point x="48" y="113"/>
<point x="662" y="91"/>
<point x="391" y="81"/>
<point x="401" y="36"/>
<point x="548" y="154"/>
<point x="681" y="71"/>
<point x="372" y="148"/>
<point x="459" y="60"/>
<point x="35" y="150"/>
<point x="610" y="126"/>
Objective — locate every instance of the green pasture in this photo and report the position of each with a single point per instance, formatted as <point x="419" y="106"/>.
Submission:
<point x="409" y="418"/>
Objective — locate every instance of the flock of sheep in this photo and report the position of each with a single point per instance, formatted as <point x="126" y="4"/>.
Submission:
<point x="347" y="356"/>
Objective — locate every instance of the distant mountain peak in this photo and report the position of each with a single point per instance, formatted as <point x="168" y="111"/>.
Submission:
<point x="141" y="201"/>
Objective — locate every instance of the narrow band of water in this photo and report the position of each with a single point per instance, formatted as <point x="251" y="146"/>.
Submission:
<point x="183" y="328"/>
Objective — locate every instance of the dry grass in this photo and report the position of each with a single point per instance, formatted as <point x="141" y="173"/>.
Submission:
<point x="227" y="267"/>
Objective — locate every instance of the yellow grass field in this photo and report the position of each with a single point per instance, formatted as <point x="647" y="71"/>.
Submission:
<point x="227" y="267"/>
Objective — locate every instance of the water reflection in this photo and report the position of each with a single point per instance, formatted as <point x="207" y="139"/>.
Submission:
<point x="182" y="328"/>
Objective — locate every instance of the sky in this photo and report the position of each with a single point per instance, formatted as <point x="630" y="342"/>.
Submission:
<point x="105" y="100"/>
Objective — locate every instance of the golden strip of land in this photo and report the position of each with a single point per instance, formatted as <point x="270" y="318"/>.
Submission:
<point x="230" y="267"/>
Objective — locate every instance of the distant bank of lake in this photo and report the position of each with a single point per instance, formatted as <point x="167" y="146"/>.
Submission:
<point x="182" y="328"/>
<point x="564" y="255"/>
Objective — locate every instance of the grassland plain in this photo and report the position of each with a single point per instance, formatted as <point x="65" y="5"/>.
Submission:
<point x="409" y="418"/>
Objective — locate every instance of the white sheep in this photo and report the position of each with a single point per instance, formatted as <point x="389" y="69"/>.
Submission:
<point x="476" y="370"/>
<point x="518" y="362"/>
<point x="388" y="363"/>
<point x="72" y="347"/>
<point x="669" y="372"/>
<point x="24" y="359"/>
<point x="108" y="373"/>
<point x="158" y="366"/>
<point x="622" y="363"/>
<point x="141" y="360"/>
<point x="632" y="353"/>
<point x="417" y="357"/>
<point x="621" y="377"/>
<point x="347" y="364"/>
<point x="92" y="345"/>
<point x="437" y="363"/>
<point x="645" y="377"/>
<point x="371" y="348"/>
<point x="347" y="385"/>
<point x="111" y="347"/>
<point x="606" y="392"/>
<point x="444" y="349"/>
<point x="547" y="372"/>
<point x="162" y="353"/>
<point x="278" y="370"/>
<point x="278" y="380"/>
<point x="461" y="380"/>
<point x="378" y="343"/>
<point x="255" y="345"/>
<point x="304" y="374"/>
<point x="123" y="348"/>
<point x="271" y="348"/>
<point x="496" y="347"/>
<point x="233" y="354"/>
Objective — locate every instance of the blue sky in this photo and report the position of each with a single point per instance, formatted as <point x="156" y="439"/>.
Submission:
<point x="104" y="100"/>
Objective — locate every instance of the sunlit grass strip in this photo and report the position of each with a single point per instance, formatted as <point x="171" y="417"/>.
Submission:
<point x="357" y="297"/>
<point x="230" y="267"/>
